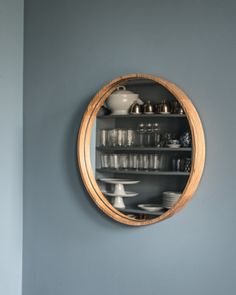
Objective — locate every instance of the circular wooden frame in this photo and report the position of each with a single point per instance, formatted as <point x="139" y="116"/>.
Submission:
<point x="84" y="139"/>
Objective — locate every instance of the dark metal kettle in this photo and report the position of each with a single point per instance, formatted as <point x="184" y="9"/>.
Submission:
<point x="135" y="108"/>
<point x="165" y="107"/>
<point x="148" y="108"/>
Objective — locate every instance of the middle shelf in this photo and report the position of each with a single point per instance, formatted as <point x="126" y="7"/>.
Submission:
<point x="142" y="172"/>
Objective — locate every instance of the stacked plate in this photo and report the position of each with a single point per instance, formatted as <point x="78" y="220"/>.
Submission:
<point x="169" y="199"/>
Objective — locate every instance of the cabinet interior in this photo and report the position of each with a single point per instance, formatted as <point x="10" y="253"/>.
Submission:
<point x="152" y="183"/>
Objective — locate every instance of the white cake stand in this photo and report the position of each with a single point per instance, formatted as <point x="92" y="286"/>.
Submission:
<point x="119" y="191"/>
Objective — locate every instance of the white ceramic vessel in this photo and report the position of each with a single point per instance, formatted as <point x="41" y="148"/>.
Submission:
<point x="121" y="100"/>
<point x="151" y="207"/>
<point x="119" y="191"/>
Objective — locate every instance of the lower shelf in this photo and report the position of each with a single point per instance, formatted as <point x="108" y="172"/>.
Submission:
<point x="143" y="172"/>
<point x="139" y="211"/>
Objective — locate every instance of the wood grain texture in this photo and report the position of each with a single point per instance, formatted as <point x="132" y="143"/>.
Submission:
<point x="84" y="139"/>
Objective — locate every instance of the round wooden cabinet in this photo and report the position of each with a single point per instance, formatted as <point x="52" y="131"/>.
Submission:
<point x="141" y="149"/>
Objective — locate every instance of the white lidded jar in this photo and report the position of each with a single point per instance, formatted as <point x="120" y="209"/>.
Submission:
<point x="121" y="100"/>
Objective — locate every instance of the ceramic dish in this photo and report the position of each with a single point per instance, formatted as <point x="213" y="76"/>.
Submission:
<point x="125" y="195"/>
<point x="119" y="181"/>
<point x="151" y="207"/>
<point x="174" y="146"/>
<point x="120" y="101"/>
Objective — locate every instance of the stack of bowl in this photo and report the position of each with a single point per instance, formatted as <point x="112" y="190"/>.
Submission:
<point x="169" y="199"/>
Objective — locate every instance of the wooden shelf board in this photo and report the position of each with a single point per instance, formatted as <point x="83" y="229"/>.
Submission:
<point x="144" y="149"/>
<point x="140" y="211"/>
<point x="143" y="172"/>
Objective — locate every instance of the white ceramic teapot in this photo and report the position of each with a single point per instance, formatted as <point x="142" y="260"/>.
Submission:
<point x="121" y="100"/>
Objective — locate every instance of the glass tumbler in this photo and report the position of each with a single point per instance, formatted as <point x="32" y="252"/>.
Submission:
<point x="123" y="161"/>
<point x="121" y="137"/>
<point x="103" y="137"/>
<point x="145" y="161"/>
<point x="130" y="137"/>
<point x="135" y="161"/>
<point x="114" y="161"/>
<point x="154" y="161"/>
<point x="105" y="161"/>
<point x="112" y="137"/>
<point x="140" y="162"/>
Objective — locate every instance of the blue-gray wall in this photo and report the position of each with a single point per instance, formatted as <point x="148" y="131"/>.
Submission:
<point x="11" y="171"/>
<point x="72" y="48"/>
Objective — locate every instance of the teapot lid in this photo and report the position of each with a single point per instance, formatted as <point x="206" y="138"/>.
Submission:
<point x="122" y="90"/>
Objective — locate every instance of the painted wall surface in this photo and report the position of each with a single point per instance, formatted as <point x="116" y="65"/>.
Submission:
<point x="72" y="48"/>
<point x="11" y="119"/>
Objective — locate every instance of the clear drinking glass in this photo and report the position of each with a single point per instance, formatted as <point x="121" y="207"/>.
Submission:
<point x="115" y="161"/>
<point x="112" y="137"/>
<point x="140" y="161"/>
<point x="103" y="137"/>
<point x="105" y="161"/>
<point x="154" y="161"/>
<point x="130" y="137"/>
<point x="123" y="161"/>
<point x="135" y="161"/>
<point x="121" y="137"/>
<point x="145" y="161"/>
<point x="130" y="161"/>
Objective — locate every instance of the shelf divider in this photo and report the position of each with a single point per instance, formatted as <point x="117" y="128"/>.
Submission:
<point x="143" y="172"/>
<point x="144" y="149"/>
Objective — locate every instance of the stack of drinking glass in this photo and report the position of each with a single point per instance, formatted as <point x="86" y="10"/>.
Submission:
<point x="131" y="161"/>
<point x="146" y="135"/>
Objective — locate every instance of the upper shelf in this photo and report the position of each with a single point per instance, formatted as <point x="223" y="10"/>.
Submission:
<point x="142" y="116"/>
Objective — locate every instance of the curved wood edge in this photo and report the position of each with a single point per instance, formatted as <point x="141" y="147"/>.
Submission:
<point x="83" y="149"/>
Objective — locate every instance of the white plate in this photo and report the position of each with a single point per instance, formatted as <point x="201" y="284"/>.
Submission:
<point x="126" y="195"/>
<point x="121" y="181"/>
<point x="168" y="203"/>
<point x="170" y="198"/>
<point x="171" y="194"/>
<point x="151" y="207"/>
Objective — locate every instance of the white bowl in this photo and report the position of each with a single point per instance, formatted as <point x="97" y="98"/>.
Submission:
<point x="151" y="207"/>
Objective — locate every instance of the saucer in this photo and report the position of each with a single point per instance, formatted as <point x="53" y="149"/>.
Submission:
<point x="174" y="145"/>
